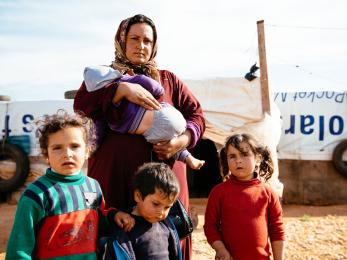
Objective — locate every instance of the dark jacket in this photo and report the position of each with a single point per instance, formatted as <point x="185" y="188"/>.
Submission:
<point x="119" y="246"/>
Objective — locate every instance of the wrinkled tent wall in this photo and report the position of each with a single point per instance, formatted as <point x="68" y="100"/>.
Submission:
<point x="229" y="104"/>
<point x="233" y="105"/>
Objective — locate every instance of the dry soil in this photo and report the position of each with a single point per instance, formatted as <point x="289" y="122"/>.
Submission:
<point x="313" y="232"/>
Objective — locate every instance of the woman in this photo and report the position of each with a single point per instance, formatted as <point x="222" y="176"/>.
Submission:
<point x="119" y="155"/>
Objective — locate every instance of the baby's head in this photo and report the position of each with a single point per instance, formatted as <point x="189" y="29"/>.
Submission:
<point x="243" y="157"/>
<point x="155" y="190"/>
<point x="66" y="141"/>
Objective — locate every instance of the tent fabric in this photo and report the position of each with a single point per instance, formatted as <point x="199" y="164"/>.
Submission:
<point x="233" y="105"/>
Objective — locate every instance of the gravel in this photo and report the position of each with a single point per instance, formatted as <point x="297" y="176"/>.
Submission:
<point x="312" y="233"/>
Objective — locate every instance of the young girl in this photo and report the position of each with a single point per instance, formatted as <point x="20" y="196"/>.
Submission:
<point x="243" y="213"/>
<point x="60" y="214"/>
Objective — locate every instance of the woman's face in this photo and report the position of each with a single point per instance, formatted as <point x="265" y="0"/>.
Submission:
<point x="139" y="43"/>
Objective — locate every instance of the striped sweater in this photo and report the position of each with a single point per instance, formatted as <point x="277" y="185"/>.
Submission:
<point x="58" y="217"/>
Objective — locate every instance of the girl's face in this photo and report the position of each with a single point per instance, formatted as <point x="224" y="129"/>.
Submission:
<point x="241" y="163"/>
<point x="67" y="150"/>
<point x="139" y="43"/>
<point x="154" y="207"/>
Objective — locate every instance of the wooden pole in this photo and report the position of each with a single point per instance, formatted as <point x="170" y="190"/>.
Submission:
<point x="264" y="84"/>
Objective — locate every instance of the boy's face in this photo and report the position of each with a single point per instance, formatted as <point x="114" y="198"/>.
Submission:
<point x="67" y="150"/>
<point x="154" y="207"/>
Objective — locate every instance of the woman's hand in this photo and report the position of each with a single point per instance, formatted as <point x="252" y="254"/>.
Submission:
<point x="135" y="93"/>
<point x="167" y="149"/>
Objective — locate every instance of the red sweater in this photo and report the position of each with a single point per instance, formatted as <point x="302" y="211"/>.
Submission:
<point x="244" y="215"/>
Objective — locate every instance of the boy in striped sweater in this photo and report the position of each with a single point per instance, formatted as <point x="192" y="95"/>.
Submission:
<point x="61" y="214"/>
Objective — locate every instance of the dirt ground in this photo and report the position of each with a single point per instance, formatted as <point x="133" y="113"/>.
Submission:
<point x="312" y="232"/>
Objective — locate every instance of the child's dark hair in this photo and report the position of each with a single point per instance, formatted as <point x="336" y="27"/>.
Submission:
<point x="151" y="176"/>
<point x="51" y="124"/>
<point x="266" y="167"/>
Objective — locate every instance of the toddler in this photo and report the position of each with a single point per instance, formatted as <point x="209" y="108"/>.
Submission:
<point x="154" y="235"/>
<point x="243" y="213"/>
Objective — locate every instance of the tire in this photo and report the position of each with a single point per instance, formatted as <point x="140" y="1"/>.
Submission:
<point x="5" y="98"/>
<point x="70" y="94"/>
<point x="339" y="164"/>
<point x="14" y="153"/>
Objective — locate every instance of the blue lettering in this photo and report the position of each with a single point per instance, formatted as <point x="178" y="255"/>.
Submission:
<point x="321" y="95"/>
<point x="295" y="96"/>
<point x="291" y="129"/>
<point x="339" y="120"/>
<point x="283" y="96"/>
<point x="311" y="94"/>
<point x="321" y="128"/>
<point x="276" y="95"/>
<point x="27" y="120"/>
<point x="306" y="121"/>
<point x="339" y="97"/>
<point x="329" y="94"/>
<point x="302" y="94"/>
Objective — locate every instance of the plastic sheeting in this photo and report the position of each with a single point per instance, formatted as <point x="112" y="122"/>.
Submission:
<point x="313" y="124"/>
<point x="233" y="105"/>
<point x="230" y="105"/>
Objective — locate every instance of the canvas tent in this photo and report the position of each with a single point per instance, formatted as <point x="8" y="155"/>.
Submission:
<point x="233" y="105"/>
<point x="230" y="105"/>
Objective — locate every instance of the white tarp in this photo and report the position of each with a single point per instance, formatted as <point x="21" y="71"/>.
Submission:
<point x="313" y="124"/>
<point x="230" y="105"/>
<point x="228" y="102"/>
<point x="233" y="105"/>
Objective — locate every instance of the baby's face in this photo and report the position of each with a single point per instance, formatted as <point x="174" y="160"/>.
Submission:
<point x="154" y="207"/>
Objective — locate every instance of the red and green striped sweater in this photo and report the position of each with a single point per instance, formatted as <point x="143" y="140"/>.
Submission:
<point x="58" y="217"/>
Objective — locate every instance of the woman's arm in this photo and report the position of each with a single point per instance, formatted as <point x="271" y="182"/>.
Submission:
<point x="167" y="149"/>
<point x="95" y="104"/>
<point x="178" y="94"/>
<point x="135" y="93"/>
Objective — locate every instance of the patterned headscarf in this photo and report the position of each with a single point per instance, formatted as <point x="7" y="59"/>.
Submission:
<point x="121" y="62"/>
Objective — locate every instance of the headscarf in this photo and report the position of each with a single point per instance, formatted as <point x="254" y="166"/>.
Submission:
<point x="121" y="62"/>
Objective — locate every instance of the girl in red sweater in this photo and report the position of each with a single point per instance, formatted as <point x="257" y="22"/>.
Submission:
<point x="243" y="213"/>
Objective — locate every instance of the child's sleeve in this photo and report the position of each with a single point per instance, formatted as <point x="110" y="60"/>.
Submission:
<point x="147" y="83"/>
<point x="212" y="216"/>
<point x="22" y="239"/>
<point x="97" y="77"/>
<point x="106" y="216"/>
<point x="275" y="220"/>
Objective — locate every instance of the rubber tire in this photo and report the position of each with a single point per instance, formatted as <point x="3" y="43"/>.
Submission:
<point x="5" y="98"/>
<point x="339" y="164"/>
<point x="16" y="154"/>
<point x="70" y="94"/>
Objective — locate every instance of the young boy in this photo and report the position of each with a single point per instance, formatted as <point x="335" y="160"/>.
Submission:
<point x="59" y="214"/>
<point x="155" y="125"/>
<point x="154" y="236"/>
